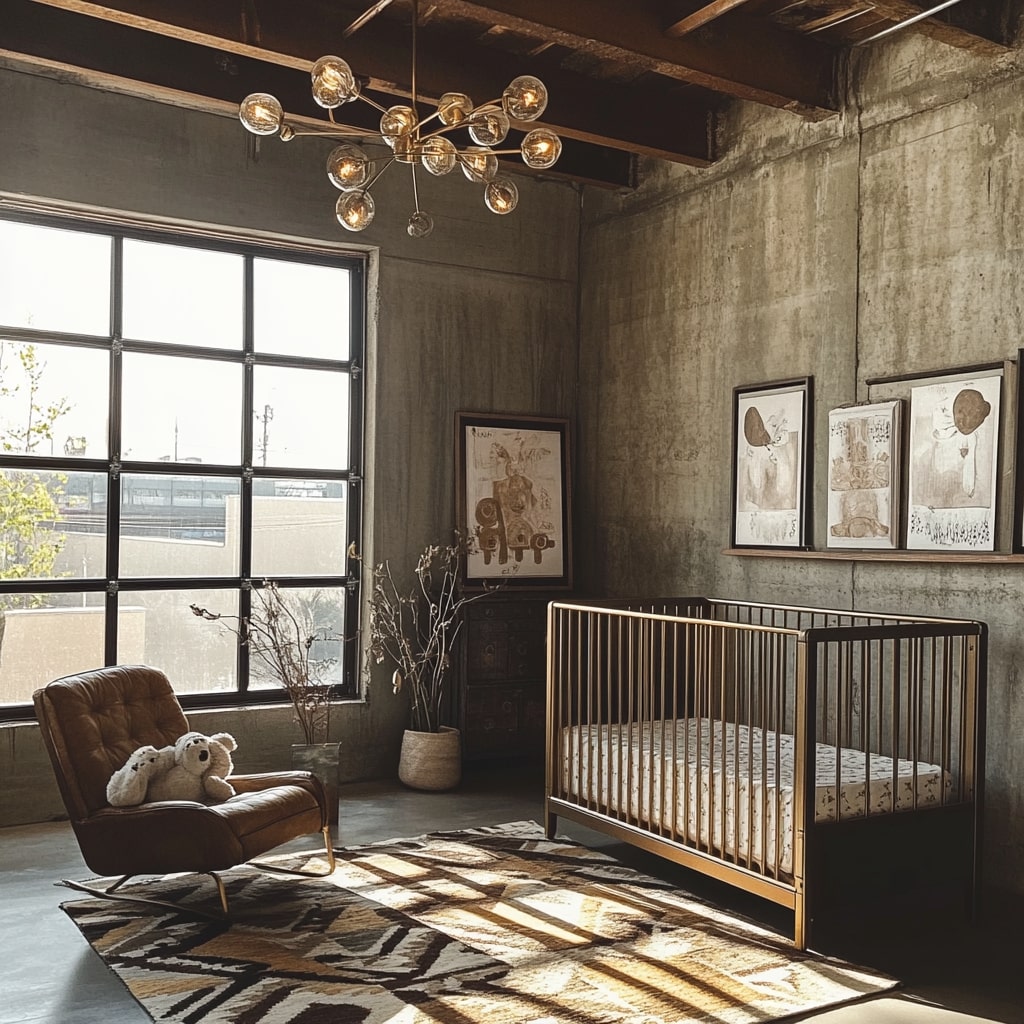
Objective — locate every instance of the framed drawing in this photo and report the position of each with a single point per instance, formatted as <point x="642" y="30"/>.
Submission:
<point x="771" y="464"/>
<point x="512" y="497"/>
<point x="863" y="476"/>
<point x="954" y="448"/>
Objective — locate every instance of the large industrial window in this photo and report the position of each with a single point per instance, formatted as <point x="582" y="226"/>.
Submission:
<point x="180" y="422"/>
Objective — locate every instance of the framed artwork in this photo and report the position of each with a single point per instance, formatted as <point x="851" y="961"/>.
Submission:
<point x="512" y="498"/>
<point x="952" y="465"/>
<point x="771" y="464"/>
<point x="863" y="476"/>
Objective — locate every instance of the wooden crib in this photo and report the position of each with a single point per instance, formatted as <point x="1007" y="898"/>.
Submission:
<point x="818" y="759"/>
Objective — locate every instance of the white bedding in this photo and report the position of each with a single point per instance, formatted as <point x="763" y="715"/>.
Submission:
<point x="664" y="774"/>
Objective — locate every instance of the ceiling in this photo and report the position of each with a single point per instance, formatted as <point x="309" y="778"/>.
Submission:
<point x="625" y="76"/>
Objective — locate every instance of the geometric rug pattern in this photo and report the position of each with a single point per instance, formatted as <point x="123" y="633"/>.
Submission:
<point x="495" y="925"/>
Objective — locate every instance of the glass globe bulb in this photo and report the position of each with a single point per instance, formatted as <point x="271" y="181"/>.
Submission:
<point x="348" y="167"/>
<point x="395" y="122"/>
<point x="333" y="82"/>
<point x="261" y="113"/>
<point x="439" y="155"/>
<point x="355" y="209"/>
<point x="501" y="195"/>
<point x="420" y="225"/>
<point x="540" y="148"/>
<point x="525" y="98"/>
<point x="478" y="164"/>
<point x="454" y="108"/>
<point x="488" y="126"/>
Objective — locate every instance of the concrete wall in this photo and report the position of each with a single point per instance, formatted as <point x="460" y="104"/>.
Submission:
<point x="883" y="241"/>
<point x="480" y="316"/>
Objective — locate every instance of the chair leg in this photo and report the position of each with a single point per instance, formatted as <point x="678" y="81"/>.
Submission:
<point x="328" y="849"/>
<point x="111" y="893"/>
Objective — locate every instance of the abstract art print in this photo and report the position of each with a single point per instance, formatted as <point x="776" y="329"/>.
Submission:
<point x="512" y="500"/>
<point x="954" y="447"/>
<point x="771" y="478"/>
<point x="863" y="476"/>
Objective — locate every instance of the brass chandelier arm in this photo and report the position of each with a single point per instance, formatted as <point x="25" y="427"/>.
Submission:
<point x="373" y="103"/>
<point x="336" y="131"/>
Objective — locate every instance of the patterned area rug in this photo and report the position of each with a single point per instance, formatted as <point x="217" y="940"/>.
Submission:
<point x="495" y="925"/>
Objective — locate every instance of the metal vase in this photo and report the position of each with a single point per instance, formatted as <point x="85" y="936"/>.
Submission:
<point x="322" y="759"/>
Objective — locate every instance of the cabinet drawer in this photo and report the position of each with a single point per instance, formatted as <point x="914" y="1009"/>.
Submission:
<point x="493" y="654"/>
<point x="503" y="720"/>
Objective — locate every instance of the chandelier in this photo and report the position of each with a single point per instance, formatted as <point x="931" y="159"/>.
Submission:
<point x="406" y="138"/>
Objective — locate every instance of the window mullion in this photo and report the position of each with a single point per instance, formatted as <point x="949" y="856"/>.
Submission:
<point x="114" y="451"/>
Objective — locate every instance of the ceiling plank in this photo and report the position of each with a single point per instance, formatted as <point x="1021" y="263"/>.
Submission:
<point x="800" y="74"/>
<point x="110" y="56"/>
<point x="700" y="15"/>
<point x="969" y="36"/>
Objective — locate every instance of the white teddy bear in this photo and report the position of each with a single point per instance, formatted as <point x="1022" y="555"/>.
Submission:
<point x="195" y="767"/>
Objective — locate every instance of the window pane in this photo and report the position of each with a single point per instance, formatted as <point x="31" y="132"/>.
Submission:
<point x="46" y="636"/>
<point x="298" y="527"/>
<point x="36" y="540"/>
<point x="314" y="318"/>
<point x="317" y="612"/>
<point x="301" y="418"/>
<point x="54" y="280"/>
<point x="157" y="627"/>
<point x="53" y="399"/>
<point x="83" y="523"/>
<point x="182" y="295"/>
<point x="179" y="525"/>
<point x="181" y="410"/>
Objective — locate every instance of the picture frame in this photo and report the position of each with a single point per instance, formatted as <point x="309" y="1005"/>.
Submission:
<point x="952" y="462"/>
<point x="513" y="500"/>
<point x="771" y="480"/>
<point x="864" y="466"/>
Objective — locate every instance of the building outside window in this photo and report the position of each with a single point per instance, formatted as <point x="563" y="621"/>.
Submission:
<point x="180" y="421"/>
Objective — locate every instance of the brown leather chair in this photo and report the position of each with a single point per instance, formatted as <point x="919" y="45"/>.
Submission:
<point x="93" y="721"/>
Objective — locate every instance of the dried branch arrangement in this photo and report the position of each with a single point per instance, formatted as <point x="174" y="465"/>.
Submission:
<point x="415" y="629"/>
<point x="281" y="641"/>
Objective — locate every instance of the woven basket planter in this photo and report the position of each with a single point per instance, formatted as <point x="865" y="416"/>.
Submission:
<point x="431" y="760"/>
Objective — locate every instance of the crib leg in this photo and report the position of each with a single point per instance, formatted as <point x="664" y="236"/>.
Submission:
<point x="800" y="922"/>
<point x="550" y="824"/>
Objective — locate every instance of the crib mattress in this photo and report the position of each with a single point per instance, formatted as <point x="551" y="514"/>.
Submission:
<point x="729" y="787"/>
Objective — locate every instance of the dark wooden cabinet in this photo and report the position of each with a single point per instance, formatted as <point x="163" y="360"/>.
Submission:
<point x="504" y="669"/>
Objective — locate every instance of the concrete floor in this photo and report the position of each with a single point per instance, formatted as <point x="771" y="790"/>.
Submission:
<point x="51" y="975"/>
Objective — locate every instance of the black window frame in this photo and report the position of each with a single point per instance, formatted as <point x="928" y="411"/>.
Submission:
<point x="245" y="472"/>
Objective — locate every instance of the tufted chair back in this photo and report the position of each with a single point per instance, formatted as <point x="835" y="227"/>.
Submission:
<point x="91" y="723"/>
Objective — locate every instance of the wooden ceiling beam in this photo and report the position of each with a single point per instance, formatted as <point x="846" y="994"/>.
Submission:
<point x="799" y="74"/>
<point x="677" y="128"/>
<point x="699" y="14"/>
<point x="169" y="69"/>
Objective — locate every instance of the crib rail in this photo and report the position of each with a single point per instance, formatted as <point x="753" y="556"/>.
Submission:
<point x="726" y="731"/>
